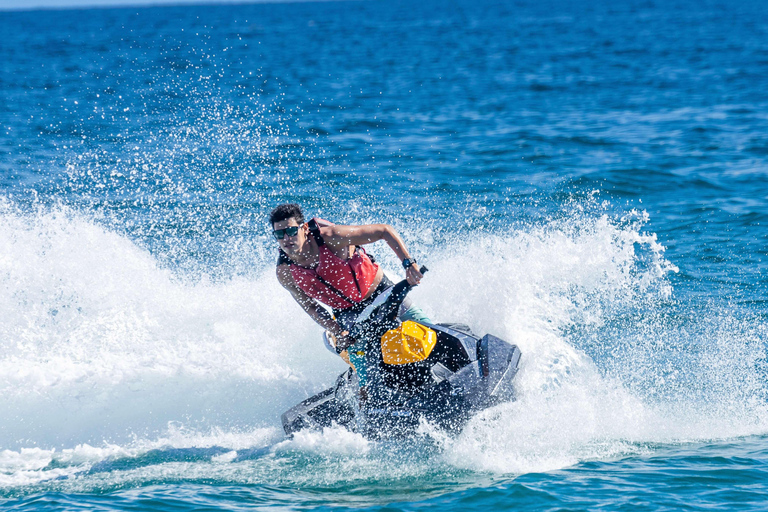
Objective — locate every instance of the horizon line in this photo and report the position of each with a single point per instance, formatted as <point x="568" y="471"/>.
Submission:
<point x="143" y="4"/>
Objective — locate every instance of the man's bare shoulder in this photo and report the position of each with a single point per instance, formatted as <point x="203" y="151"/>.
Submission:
<point x="337" y="237"/>
<point x="340" y="235"/>
<point x="329" y="231"/>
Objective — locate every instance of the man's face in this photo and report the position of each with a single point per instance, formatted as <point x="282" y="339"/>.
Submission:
<point x="291" y="244"/>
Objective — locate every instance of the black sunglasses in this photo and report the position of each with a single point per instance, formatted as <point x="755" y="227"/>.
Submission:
<point x="290" y="231"/>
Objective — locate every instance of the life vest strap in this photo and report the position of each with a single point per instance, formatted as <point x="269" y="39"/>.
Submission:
<point x="315" y="230"/>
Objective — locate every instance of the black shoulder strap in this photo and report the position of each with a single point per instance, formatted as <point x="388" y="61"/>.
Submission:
<point x="315" y="230"/>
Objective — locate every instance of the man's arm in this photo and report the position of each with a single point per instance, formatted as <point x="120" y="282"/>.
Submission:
<point x="307" y="303"/>
<point x="343" y="236"/>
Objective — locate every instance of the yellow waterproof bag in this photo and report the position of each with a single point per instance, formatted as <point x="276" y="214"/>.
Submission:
<point x="409" y="343"/>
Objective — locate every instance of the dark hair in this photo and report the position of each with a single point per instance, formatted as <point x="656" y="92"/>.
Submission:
<point x="286" y="211"/>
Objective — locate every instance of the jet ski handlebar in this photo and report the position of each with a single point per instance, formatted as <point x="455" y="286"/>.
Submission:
<point x="399" y="291"/>
<point x="386" y="312"/>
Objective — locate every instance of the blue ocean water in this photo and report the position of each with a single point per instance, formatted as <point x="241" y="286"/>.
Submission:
<point x="589" y="182"/>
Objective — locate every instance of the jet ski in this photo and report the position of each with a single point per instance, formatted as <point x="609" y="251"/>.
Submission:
<point x="442" y="373"/>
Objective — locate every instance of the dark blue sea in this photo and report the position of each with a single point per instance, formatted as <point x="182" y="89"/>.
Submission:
<point x="587" y="180"/>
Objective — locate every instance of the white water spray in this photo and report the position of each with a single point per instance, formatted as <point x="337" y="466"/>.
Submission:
<point x="104" y="353"/>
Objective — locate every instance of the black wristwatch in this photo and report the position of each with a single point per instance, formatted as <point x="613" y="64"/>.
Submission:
<point x="407" y="262"/>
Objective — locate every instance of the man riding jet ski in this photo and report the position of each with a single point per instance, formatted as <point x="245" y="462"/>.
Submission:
<point x="322" y="263"/>
<point x="441" y="373"/>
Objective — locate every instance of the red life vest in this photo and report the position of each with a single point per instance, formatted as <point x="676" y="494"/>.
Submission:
<point x="337" y="282"/>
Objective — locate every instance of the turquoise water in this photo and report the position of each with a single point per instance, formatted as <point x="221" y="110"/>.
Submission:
<point x="587" y="182"/>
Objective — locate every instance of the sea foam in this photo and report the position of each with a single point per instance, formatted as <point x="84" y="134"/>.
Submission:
<point x="106" y="353"/>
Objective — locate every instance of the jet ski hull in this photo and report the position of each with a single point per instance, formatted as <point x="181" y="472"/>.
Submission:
<point x="462" y="376"/>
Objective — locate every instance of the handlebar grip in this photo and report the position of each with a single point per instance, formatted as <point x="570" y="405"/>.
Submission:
<point x="423" y="269"/>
